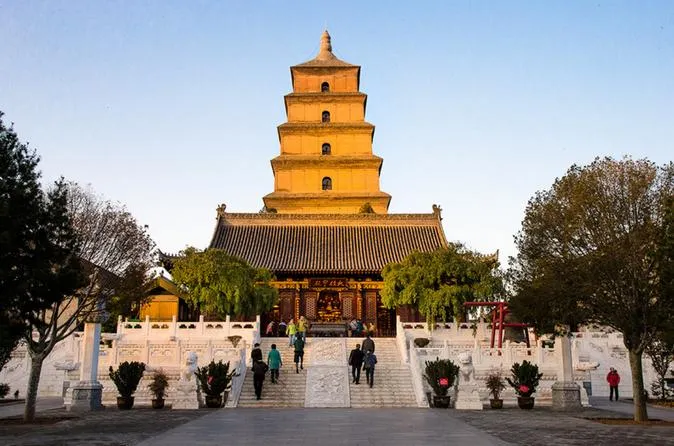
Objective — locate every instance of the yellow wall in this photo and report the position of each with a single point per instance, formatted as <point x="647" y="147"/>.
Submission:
<point x="341" y="144"/>
<point x="341" y="80"/>
<point x="352" y="111"/>
<point x="161" y="308"/>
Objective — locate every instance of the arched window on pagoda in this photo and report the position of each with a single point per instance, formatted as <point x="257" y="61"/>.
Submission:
<point x="326" y="149"/>
<point x="325" y="87"/>
<point x="327" y="183"/>
<point x="325" y="116"/>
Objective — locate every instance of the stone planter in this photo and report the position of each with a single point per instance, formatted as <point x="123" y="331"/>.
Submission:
<point x="441" y="402"/>
<point x="525" y="402"/>
<point x="496" y="403"/>
<point x="213" y="401"/>
<point x="158" y="403"/>
<point x="124" y="403"/>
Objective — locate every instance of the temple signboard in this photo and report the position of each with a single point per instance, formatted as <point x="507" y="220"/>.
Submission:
<point x="328" y="283"/>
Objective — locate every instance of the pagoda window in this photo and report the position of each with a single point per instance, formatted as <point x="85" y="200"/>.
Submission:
<point x="325" y="87"/>
<point x="325" y="116"/>
<point x="326" y="149"/>
<point x="327" y="183"/>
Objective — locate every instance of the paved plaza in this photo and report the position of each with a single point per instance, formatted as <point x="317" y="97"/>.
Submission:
<point x="325" y="427"/>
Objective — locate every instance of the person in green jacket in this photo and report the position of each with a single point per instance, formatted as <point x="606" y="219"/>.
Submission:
<point x="292" y="331"/>
<point x="274" y="362"/>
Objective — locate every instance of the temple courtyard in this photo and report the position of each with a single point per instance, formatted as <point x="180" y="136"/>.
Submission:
<point x="388" y="426"/>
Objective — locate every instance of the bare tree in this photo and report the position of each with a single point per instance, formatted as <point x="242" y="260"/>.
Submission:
<point x="111" y="244"/>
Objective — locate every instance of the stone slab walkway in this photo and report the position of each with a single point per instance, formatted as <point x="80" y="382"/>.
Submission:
<point x="16" y="409"/>
<point x="325" y="427"/>
<point x="626" y="407"/>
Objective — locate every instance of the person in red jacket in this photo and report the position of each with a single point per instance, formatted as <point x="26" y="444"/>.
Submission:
<point x="613" y="380"/>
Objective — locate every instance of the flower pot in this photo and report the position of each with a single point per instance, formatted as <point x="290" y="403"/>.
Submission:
<point x="496" y="403"/>
<point x="158" y="403"/>
<point x="441" y="402"/>
<point x="124" y="403"/>
<point x="213" y="401"/>
<point x="525" y="402"/>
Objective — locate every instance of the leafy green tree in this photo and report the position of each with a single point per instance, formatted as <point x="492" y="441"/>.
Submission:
<point x="219" y="284"/>
<point x="440" y="282"/>
<point x="661" y="353"/>
<point x="38" y="253"/>
<point x="591" y="249"/>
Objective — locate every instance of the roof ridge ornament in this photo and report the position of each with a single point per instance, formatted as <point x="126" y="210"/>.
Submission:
<point x="437" y="211"/>
<point x="220" y="210"/>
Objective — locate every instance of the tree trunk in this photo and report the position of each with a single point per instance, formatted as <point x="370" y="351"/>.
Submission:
<point x="640" y="414"/>
<point x="33" y="383"/>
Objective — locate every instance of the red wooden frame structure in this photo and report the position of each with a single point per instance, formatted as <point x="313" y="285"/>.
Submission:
<point x="498" y="315"/>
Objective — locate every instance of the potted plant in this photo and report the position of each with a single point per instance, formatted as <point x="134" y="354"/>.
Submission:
<point x="215" y="379"/>
<point x="440" y="375"/>
<point x="158" y="387"/>
<point x="126" y="379"/>
<point x="525" y="378"/>
<point x="495" y="385"/>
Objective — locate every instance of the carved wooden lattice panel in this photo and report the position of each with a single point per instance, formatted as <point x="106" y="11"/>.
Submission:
<point x="311" y="305"/>
<point x="347" y="304"/>
<point x="371" y="303"/>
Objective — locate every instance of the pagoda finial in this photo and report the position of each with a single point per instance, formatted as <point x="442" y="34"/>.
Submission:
<point x="326" y="47"/>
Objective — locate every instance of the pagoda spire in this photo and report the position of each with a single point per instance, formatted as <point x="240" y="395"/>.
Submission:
<point x="325" y="52"/>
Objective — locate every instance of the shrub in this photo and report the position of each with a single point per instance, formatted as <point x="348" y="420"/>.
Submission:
<point x="4" y="390"/>
<point x="525" y="378"/>
<point x="494" y="383"/>
<point x="215" y="378"/>
<point x="158" y="384"/>
<point x="421" y="342"/>
<point x="440" y="375"/>
<point x="127" y="377"/>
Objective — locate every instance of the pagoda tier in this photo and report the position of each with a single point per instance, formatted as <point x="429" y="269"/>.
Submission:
<point x="326" y="164"/>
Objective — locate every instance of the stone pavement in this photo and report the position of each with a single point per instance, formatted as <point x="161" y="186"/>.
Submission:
<point x="324" y="427"/>
<point x="626" y="407"/>
<point x="16" y="409"/>
<point x="545" y="427"/>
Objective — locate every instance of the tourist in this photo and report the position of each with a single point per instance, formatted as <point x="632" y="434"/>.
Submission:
<point x="282" y="326"/>
<point x="359" y="327"/>
<point x="356" y="362"/>
<point x="274" y="362"/>
<point x="299" y="352"/>
<point x="371" y="329"/>
<point x="302" y="327"/>
<point x="368" y="344"/>
<point x="353" y="325"/>
<point x="292" y="332"/>
<point x="255" y="354"/>
<point x="259" y="372"/>
<point x="270" y="328"/>
<point x="613" y="380"/>
<point x="370" y="361"/>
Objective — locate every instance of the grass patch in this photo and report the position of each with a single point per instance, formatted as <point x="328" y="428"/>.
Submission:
<point x="38" y="421"/>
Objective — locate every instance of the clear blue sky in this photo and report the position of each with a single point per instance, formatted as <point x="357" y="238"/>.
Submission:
<point x="171" y="107"/>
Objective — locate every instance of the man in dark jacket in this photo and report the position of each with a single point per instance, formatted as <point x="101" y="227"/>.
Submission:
<point x="255" y="354"/>
<point x="259" y="372"/>
<point x="369" y="363"/>
<point x="299" y="352"/>
<point x="368" y="344"/>
<point x="356" y="362"/>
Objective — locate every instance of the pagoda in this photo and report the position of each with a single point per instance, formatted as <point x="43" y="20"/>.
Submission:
<point x="325" y="231"/>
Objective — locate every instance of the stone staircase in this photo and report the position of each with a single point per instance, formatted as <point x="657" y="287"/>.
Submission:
<point x="290" y="390"/>
<point x="392" y="379"/>
<point x="392" y="382"/>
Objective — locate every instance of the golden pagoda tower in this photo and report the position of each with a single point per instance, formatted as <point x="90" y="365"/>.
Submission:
<point x="326" y="164"/>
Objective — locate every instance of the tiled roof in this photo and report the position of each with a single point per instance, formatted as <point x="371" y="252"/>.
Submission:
<point x="326" y="244"/>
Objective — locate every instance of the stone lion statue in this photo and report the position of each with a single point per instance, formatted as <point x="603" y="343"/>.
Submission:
<point x="467" y="369"/>
<point x="190" y="366"/>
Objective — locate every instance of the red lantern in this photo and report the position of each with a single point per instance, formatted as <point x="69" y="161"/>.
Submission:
<point x="444" y="382"/>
